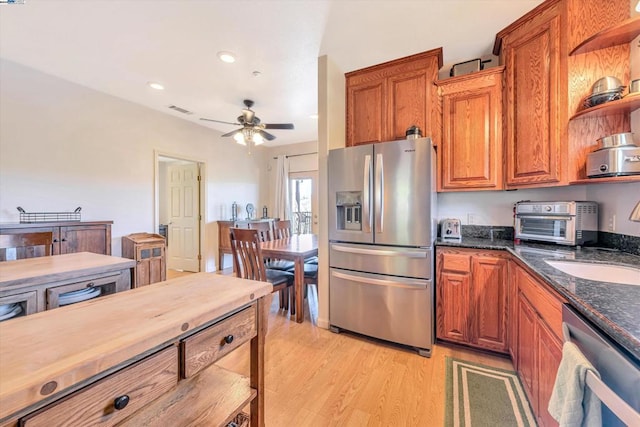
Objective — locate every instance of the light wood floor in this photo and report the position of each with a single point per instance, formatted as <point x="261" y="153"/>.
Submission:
<point x="317" y="378"/>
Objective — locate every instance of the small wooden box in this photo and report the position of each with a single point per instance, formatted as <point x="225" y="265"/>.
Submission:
<point x="149" y="251"/>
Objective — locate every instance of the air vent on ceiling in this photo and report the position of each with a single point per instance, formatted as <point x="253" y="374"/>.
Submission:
<point x="180" y="110"/>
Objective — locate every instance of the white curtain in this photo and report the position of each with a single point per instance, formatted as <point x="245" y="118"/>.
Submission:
<point x="282" y="206"/>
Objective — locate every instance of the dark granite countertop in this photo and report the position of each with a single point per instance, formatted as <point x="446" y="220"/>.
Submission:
<point x="613" y="307"/>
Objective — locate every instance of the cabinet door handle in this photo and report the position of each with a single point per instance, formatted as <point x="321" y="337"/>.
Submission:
<point x="121" y="402"/>
<point x="63" y="240"/>
<point x="55" y="240"/>
<point x="228" y="339"/>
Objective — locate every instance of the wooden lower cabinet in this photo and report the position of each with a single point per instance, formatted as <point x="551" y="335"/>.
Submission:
<point x="539" y="349"/>
<point x="472" y="298"/>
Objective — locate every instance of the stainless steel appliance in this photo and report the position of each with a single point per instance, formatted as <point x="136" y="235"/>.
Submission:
<point x="614" y="161"/>
<point x="451" y="230"/>
<point x="619" y="384"/>
<point x="564" y="223"/>
<point x="381" y="229"/>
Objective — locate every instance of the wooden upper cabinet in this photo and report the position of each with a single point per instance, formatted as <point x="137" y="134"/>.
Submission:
<point x="386" y="99"/>
<point x="534" y="54"/>
<point x="366" y="115"/>
<point x="470" y="154"/>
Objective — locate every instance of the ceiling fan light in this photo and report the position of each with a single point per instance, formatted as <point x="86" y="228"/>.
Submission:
<point x="257" y="138"/>
<point x="239" y="137"/>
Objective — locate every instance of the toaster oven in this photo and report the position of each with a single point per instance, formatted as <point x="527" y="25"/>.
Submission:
<point x="564" y="223"/>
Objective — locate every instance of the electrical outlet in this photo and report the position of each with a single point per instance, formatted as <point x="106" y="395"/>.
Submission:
<point x="471" y="219"/>
<point x="611" y="226"/>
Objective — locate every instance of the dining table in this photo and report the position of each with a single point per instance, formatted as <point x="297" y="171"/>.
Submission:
<point x="296" y="248"/>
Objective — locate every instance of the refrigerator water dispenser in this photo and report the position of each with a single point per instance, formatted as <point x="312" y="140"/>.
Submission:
<point x="349" y="210"/>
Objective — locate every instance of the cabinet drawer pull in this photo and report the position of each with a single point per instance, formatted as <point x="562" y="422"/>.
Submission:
<point x="63" y="240"/>
<point x="121" y="402"/>
<point x="55" y="240"/>
<point x="228" y="339"/>
<point x="91" y="285"/>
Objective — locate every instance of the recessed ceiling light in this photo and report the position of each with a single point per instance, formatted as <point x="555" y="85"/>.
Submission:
<point x="155" y="85"/>
<point x="227" y="57"/>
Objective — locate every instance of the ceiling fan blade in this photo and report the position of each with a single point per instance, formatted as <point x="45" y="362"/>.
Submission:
<point x="278" y="126"/>
<point x="220" y="121"/>
<point x="266" y="135"/>
<point x="232" y="132"/>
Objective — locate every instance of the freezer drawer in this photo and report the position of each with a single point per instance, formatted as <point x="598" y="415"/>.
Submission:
<point x="395" y="261"/>
<point x="395" y="309"/>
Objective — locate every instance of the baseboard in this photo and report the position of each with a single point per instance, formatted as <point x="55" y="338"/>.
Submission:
<point x="323" y="323"/>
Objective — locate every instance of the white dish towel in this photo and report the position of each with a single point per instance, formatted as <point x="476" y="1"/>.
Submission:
<point x="572" y="403"/>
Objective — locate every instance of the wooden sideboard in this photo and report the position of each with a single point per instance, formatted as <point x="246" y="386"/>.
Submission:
<point x="69" y="237"/>
<point x="37" y="283"/>
<point x="143" y="357"/>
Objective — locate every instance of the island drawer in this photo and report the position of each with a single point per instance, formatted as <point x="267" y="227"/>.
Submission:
<point x="113" y="398"/>
<point x="205" y="347"/>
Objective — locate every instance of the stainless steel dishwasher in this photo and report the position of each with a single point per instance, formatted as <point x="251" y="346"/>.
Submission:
<point x="618" y="387"/>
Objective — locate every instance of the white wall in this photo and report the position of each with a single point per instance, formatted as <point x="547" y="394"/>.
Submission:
<point x="496" y="207"/>
<point x="63" y="145"/>
<point x="331" y="134"/>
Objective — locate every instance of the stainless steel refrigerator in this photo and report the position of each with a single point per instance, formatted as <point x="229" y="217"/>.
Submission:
<point x="382" y="226"/>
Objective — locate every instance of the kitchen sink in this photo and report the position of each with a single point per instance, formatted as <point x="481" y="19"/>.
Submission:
<point x="598" y="271"/>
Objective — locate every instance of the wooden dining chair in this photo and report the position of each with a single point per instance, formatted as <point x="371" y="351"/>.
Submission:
<point x="282" y="229"/>
<point x="249" y="264"/>
<point x="264" y="230"/>
<point x="267" y="234"/>
<point x="25" y="245"/>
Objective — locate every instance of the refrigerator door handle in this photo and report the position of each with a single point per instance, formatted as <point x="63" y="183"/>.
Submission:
<point x="378" y="252"/>
<point x="397" y="283"/>
<point x="366" y="196"/>
<point x="379" y="196"/>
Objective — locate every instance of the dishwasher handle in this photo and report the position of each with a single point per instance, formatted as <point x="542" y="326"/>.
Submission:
<point x="615" y="403"/>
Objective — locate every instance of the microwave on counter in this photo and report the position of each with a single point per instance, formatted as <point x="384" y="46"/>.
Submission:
<point x="564" y="223"/>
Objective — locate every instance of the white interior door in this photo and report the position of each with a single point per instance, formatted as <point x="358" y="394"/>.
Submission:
<point x="184" y="217"/>
<point x="304" y="201"/>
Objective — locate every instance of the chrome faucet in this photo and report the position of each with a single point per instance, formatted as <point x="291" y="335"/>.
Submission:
<point x="635" y="213"/>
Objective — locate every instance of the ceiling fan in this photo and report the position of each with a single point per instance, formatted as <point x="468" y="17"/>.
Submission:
<point x="252" y="130"/>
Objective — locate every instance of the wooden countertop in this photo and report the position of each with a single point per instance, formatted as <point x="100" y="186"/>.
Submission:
<point x="33" y="271"/>
<point x="70" y="344"/>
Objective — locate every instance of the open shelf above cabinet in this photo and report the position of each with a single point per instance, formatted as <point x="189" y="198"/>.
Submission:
<point x="625" y="105"/>
<point x="619" y="34"/>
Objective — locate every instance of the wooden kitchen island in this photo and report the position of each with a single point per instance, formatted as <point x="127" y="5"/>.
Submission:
<point x="142" y="357"/>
